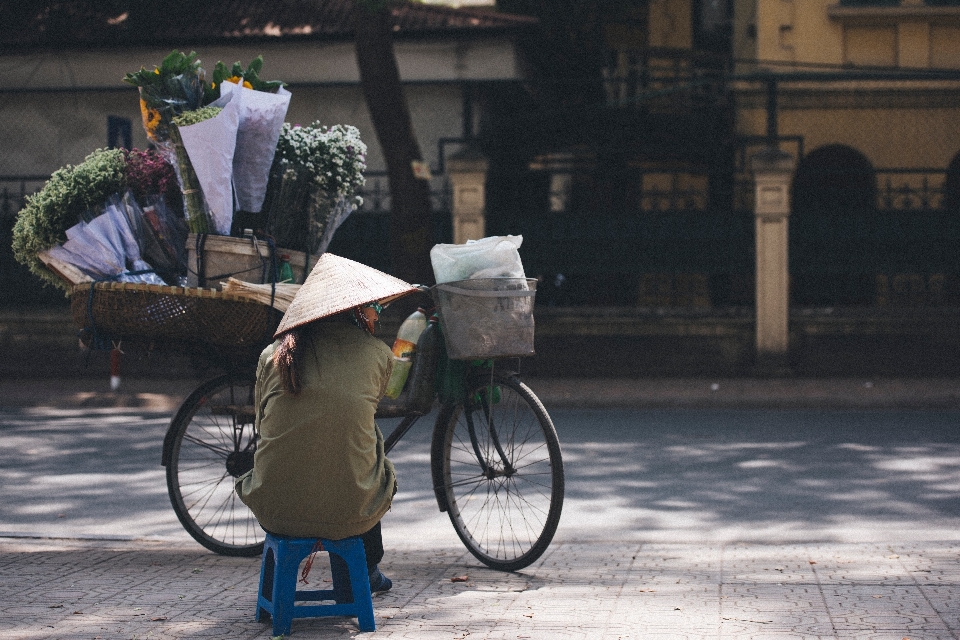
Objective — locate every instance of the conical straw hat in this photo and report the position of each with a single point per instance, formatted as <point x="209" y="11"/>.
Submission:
<point x="336" y="284"/>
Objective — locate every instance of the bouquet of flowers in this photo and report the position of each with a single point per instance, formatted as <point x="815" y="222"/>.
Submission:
<point x="85" y="216"/>
<point x="108" y="246"/>
<point x="218" y="143"/>
<point x="148" y="173"/>
<point x="177" y="85"/>
<point x="65" y="198"/>
<point x="316" y="175"/>
<point x="184" y="127"/>
<point x="216" y="153"/>
<point x="153" y="187"/>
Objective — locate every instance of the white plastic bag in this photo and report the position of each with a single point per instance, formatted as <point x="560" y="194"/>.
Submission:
<point x="491" y="257"/>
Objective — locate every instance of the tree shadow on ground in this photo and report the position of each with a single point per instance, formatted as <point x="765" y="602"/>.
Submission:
<point x="774" y="476"/>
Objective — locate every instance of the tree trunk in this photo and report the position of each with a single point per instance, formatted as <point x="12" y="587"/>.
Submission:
<point x="411" y="224"/>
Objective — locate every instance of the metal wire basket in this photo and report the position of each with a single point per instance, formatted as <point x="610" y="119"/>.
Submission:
<point x="486" y="317"/>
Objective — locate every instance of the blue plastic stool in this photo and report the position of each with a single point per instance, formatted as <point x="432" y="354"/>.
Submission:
<point x="278" y="582"/>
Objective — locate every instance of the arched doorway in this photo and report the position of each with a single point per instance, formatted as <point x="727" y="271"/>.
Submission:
<point x="833" y="203"/>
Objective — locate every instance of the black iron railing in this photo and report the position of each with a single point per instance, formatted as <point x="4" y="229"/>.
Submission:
<point x="910" y="189"/>
<point x="13" y="191"/>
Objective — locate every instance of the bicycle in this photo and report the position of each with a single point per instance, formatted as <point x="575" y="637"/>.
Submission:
<point x="496" y="463"/>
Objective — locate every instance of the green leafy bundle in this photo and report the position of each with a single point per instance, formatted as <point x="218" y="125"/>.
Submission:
<point x="68" y="194"/>
<point x="249" y="77"/>
<point x="177" y="85"/>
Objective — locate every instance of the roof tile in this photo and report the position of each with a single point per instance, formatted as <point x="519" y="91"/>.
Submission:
<point x="66" y="23"/>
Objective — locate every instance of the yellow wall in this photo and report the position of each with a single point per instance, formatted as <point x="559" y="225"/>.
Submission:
<point x="820" y="32"/>
<point x="945" y="46"/>
<point x="813" y="33"/>
<point x="797" y="31"/>
<point x="868" y="46"/>
<point x="887" y="137"/>
<point x="894" y="125"/>
<point x="890" y="137"/>
<point x="670" y="24"/>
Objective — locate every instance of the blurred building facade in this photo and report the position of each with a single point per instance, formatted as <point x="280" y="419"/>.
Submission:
<point x="62" y="94"/>
<point x="633" y="187"/>
<point x="864" y="95"/>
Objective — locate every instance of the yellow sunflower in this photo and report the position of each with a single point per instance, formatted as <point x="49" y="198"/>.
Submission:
<point x="151" y="119"/>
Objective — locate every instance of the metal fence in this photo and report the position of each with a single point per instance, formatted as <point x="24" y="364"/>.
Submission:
<point x="665" y="241"/>
<point x="876" y="194"/>
<point x="875" y="214"/>
<point x="18" y="286"/>
<point x="365" y="235"/>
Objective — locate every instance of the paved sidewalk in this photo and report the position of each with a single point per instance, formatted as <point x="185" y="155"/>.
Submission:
<point x="62" y="589"/>
<point x="747" y="393"/>
<point x="735" y="524"/>
<point x="740" y="393"/>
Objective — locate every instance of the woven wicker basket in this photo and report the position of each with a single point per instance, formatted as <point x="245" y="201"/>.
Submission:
<point x="171" y="316"/>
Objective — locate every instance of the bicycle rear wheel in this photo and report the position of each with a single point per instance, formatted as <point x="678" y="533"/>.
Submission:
<point x="211" y="441"/>
<point x="502" y="473"/>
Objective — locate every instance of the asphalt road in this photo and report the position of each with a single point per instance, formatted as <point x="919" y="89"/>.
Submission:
<point x="658" y="475"/>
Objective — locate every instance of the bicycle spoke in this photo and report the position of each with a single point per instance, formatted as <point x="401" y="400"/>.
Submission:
<point x="213" y="429"/>
<point x="503" y="475"/>
<point x="201" y="443"/>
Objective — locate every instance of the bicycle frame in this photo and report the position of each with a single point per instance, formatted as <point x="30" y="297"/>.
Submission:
<point x="418" y="398"/>
<point x="500" y="483"/>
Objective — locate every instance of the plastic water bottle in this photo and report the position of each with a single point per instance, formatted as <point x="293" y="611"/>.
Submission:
<point x="404" y="348"/>
<point x="286" y="271"/>
<point x="398" y="377"/>
<point x="409" y="333"/>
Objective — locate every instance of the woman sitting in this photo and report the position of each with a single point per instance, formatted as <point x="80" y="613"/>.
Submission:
<point x="320" y="470"/>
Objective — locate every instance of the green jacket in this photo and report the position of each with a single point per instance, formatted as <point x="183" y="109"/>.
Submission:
<point x="320" y="469"/>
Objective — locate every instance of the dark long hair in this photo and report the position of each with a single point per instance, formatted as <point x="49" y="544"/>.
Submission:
<point x="288" y="359"/>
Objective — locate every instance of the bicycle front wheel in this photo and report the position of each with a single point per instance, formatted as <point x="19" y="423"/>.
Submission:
<point x="502" y="473"/>
<point x="211" y="442"/>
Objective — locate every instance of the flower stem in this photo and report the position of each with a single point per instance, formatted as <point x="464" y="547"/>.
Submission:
<point x="194" y="204"/>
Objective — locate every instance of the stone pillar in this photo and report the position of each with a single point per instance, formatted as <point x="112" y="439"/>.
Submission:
<point x="772" y="170"/>
<point x="468" y="177"/>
